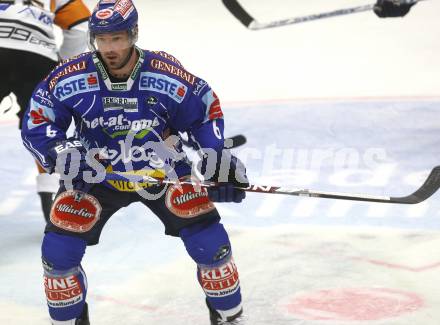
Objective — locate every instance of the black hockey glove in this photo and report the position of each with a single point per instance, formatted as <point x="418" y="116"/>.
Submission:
<point x="392" y="8"/>
<point x="229" y="173"/>
<point x="68" y="158"/>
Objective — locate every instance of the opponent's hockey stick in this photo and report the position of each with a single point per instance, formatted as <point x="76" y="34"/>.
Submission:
<point x="429" y="187"/>
<point x="247" y="20"/>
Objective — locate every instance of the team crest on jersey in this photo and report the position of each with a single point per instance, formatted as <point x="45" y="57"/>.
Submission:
<point x="75" y="211"/>
<point x="186" y="202"/>
<point x="212" y="102"/>
<point x="39" y="114"/>
<point x="78" y="84"/>
<point x="163" y="84"/>
<point x="152" y="101"/>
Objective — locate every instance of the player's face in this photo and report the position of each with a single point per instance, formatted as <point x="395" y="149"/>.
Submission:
<point x="114" y="48"/>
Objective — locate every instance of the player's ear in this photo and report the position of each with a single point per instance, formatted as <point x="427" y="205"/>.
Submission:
<point x="135" y="33"/>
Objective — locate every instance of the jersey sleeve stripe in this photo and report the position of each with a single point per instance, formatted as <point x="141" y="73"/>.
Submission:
<point x="35" y="152"/>
<point x="72" y="13"/>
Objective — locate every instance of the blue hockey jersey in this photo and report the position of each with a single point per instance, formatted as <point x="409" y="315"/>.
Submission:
<point x="120" y="118"/>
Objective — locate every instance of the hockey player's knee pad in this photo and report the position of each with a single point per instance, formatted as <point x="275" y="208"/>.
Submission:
<point x="61" y="251"/>
<point x="207" y="244"/>
<point x="210" y="248"/>
<point x="64" y="280"/>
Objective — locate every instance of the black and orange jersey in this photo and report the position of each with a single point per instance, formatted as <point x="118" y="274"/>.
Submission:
<point x="29" y="25"/>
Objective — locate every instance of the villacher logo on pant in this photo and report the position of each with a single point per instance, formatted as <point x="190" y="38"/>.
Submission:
<point x="75" y="215"/>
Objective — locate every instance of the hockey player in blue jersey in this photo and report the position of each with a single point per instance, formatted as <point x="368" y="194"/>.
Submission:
<point x="127" y="104"/>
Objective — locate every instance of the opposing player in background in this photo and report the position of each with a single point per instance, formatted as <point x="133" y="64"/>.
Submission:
<point x="28" y="52"/>
<point x="392" y="8"/>
<point x="127" y="103"/>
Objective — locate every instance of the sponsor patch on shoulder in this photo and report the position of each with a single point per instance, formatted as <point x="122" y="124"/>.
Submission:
<point x="74" y="85"/>
<point x="75" y="211"/>
<point x="185" y="202"/>
<point x="169" y="57"/>
<point x="163" y="84"/>
<point x="79" y="66"/>
<point x="175" y="70"/>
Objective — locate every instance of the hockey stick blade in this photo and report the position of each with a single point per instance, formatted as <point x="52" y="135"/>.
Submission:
<point x="238" y="12"/>
<point x="431" y="185"/>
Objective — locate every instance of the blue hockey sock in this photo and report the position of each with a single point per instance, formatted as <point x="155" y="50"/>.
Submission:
<point x="209" y="247"/>
<point x="64" y="279"/>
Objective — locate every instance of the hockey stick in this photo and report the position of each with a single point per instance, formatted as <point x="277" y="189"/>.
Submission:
<point x="247" y="20"/>
<point x="429" y="187"/>
<point x="235" y="141"/>
<point x="230" y="143"/>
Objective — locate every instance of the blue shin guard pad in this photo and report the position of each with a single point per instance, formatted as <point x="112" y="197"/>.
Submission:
<point x="64" y="280"/>
<point x="209" y="247"/>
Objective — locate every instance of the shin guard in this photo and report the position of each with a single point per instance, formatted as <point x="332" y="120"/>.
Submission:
<point x="64" y="279"/>
<point x="209" y="247"/>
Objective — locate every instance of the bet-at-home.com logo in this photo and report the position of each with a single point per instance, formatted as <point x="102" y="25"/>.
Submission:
<point x="120" y="125"/>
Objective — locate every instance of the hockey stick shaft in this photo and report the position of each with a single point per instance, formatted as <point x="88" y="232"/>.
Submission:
<point x="429" y="187"/>
<point x="247" y="20"/>
<point x="230" y="142"/>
